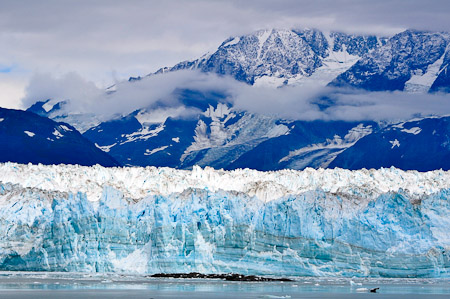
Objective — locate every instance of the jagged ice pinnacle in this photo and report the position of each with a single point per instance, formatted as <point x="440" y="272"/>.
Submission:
<point x="330" y="222"/>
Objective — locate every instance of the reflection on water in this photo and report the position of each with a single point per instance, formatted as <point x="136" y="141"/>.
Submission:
<point x="75" y="285"/>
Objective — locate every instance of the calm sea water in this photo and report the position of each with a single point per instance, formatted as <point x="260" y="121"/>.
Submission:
<point x="82" y="285"/>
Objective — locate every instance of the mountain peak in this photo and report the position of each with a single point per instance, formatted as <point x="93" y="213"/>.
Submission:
<point x="282" y="56"/>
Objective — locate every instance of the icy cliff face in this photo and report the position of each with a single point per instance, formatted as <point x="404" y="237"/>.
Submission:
<point x="316" y="222"/>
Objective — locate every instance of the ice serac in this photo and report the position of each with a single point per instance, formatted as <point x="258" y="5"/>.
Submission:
<point x="385" y="222"/>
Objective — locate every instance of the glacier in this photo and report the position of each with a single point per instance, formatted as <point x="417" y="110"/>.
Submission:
<point x="324" y="222"/>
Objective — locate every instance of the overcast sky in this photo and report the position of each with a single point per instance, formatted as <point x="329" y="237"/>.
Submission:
<point x="106" y="40"/>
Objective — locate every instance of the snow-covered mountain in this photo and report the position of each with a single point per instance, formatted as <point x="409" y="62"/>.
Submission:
<point x="26" y="137"/>
<point x="414" y="61"/>
<point x="378" y="223"/>
<point x="279" y="57"/>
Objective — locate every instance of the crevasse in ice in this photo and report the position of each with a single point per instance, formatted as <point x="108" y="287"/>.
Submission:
<point x="331" y="222"/>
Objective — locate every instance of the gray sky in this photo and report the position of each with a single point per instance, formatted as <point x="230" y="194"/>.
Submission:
<point x="107" y="40"/>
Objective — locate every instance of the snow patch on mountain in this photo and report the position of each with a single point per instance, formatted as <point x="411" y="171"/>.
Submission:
<point x="158" y="115"/>
<point x="220" y="111"/>
<point x="48" y="106"/>
<point x="30" y="134"/>
<point x="421" y="82"/>
<point x="336" y="63"/>
<point x="276" y="131"/>
<point x="63" y="111"/>
<point x="232" y="42"/>
<point x="65" y="128"/>
<point x="57" y="134"/>
<point x="216" y="133"/>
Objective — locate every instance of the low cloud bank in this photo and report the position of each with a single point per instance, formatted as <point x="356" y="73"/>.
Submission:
<point x="306" y="102"/>
<point x="125" y="97"/>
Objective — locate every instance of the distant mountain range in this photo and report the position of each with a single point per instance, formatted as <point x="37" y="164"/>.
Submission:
<point x="29" y="138"/>
<point x="222" y="136"/>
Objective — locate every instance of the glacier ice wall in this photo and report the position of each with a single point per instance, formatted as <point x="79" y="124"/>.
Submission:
<point x="383" y="222"/>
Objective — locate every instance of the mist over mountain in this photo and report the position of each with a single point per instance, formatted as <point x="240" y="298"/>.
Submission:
<point x="289" y="138"/>
<point x="29" y="138"/>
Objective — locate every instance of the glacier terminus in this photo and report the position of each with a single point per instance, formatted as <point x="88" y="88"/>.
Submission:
<point x="325" y="222"/>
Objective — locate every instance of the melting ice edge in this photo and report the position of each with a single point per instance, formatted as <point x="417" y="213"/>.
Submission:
<point x="334" y="222"/>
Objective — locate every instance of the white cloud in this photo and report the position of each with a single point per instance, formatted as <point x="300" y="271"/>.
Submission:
<point x="308" y="102"/>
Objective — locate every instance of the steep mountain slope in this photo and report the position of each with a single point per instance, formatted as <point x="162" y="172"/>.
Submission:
<point x="278" y="57"/>
<point x="26" y="137"/>
<point x="410" y="61"/>
<point x="418" y="144"/>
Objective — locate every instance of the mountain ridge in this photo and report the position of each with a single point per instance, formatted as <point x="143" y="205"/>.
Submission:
<point x="29" y="138"/>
